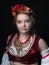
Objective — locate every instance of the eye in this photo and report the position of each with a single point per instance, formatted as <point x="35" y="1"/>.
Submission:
<point x="18" y="21"/>
<point x="27" y="21"/>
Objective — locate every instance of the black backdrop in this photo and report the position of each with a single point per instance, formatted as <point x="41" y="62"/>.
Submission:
<point x="6" y="23"/>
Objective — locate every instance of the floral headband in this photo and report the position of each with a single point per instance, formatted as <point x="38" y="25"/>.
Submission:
<point x="21" y="9"/>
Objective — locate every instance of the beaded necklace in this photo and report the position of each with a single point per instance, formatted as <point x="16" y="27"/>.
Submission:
<point x="19" y="45"/>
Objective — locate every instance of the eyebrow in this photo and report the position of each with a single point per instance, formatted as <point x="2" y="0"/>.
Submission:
<point x="24" y="20"/>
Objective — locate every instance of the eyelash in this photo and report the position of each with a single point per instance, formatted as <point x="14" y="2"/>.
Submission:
<point x="18" y="21"/>
<point x="25" y="21"/>
<point x="28" y="21"/>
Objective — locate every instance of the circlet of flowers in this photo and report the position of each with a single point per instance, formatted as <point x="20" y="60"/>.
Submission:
<point x="21" y="9"/>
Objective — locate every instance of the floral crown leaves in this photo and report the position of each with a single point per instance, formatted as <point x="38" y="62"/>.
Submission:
<point x="21" y="9"/>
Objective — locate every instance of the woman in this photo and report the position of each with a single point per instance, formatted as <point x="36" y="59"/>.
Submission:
<point x="23" y="46"/>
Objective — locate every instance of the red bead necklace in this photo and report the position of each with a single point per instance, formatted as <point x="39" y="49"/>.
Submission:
<point x="26" y="40"/>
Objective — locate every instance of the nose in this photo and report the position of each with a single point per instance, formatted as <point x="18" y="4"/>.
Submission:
<point x="23" y="24"/>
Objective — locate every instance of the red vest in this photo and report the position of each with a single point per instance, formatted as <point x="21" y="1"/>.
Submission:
<point x="31" y="57"/>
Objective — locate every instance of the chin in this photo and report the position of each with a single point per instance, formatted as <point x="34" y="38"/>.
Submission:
<point x="24" y="32"/>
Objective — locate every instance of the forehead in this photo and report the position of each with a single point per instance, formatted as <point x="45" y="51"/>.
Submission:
<point x="22" y="17"/>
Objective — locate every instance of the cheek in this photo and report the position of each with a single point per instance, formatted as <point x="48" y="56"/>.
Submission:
<point x="17" y="25"/>
<point x="29" y="25"/>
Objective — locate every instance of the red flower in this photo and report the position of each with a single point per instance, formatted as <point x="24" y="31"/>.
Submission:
<point x="21" y="8"/>
<point x="17" y="8"/>
<point x="14" y="9"/>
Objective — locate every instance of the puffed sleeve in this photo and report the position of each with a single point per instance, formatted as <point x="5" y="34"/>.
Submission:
<point x="5" y="59"/>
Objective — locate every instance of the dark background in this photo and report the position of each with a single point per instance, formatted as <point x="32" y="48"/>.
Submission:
<point x="6" y="22"/>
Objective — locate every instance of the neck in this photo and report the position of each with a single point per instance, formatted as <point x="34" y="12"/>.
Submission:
<point x="24" y="35"/>
<point x="23" y="38"/>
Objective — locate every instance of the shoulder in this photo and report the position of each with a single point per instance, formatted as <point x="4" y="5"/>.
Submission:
<point x="10" y="37"/>
<point x="37" y="37"/>
<point x="42" y="44"/>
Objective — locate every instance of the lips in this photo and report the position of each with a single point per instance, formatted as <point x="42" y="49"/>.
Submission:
<point x="23" y="28"/>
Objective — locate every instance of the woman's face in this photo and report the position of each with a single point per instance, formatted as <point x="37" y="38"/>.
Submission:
<point x="23" y="23"/>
